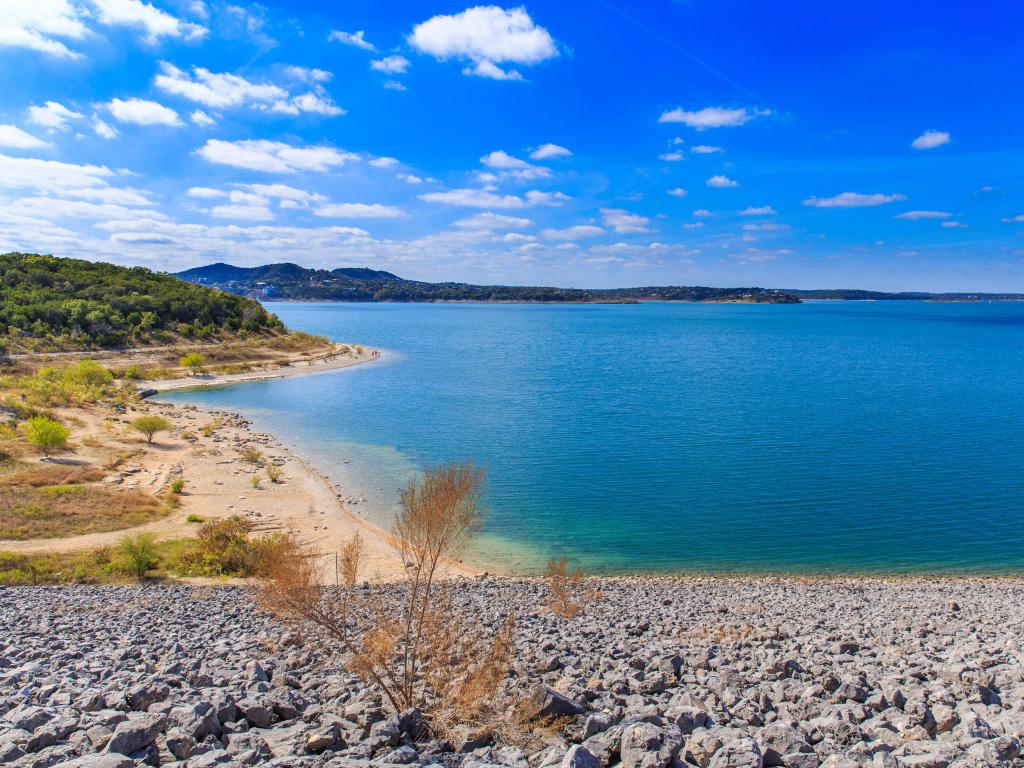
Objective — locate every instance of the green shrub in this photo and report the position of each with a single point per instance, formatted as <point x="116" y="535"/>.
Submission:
<point x="46" y="434"/>
<point x="177" y="485"/>
<point x="224" y="548"/>
<point x="150" y="425"/>
<point x="139" y="554"/>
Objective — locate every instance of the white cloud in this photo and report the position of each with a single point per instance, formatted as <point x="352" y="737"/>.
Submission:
<point x="206" y="193"/>
<point x="765" y="227"/>
<point x="677" y="192"/>
<point x="53" y="115"/>
<point x="392" y="65"/>
<point x="513" y="167"/>
<point x="916" y="215"/>
<point x="1018" y="219"/>
<point x="359" y="211"/>
<point x="761" y="210"/>
<point x="201" y="119"/>
<point x="103" y="130"/>
<point x="554" y="199"/>
<point x="12" y="136"/>
<point x="712" y="117"/>
<point x="409" y="178"/>
<point x="672" y="157"/>
<point x="356" y="38"/>
<point x="486" y="36"/>
<point x="273" y="156"/>
<point x="306" y="74"/>
<point x="704" y="149"/>
<point x="155" y="22"/>
<point x="384" y="162"/>
<point x="853" y="200"/>
<point x="35" y="24"/>
<point x="474" y="198"/>
<point x="573" y="233"/>
<point x="954" y="225"/>
<point x="488" y="220"/>
<point x="624" y="222"/>
<point x="702" y="213"/>
<point x="930" y="140"/>
<point x="394" y="85"/>
<point x="693" y="225"/>
<point x="288" y="197"/>
<point x="75" y="209"/>
<point x="549" y="151"/>
<point x="51" y="176"/>
<point x="722" y="182"/>
<point x="143" y="112"/>
<point x="243" y="212"/>
<point x="220" y="90"/>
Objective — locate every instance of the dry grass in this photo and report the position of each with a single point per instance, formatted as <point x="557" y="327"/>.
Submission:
<point x="56" y="501"/>
<point x="411" y="643"/>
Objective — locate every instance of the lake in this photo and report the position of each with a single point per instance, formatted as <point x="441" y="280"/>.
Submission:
<point x="820" y="437"/>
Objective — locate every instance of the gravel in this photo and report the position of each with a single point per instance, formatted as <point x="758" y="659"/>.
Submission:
<point x="652" y="673"/>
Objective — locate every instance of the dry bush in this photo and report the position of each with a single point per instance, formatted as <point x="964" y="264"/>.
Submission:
<point x="562" y="586"/>
<point x="51" y="474"/>
<point x="411" y="642"/>
<point x="251" y="454"/>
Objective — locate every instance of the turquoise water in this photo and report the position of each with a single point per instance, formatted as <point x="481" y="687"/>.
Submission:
<point x="831" y="436"/>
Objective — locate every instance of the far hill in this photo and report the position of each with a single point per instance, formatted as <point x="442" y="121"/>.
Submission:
<point x="290" y="281"/>
<point x="861" y="295"/>
<point x="53" y="303"/>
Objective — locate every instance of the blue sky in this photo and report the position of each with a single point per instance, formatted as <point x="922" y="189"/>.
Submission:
<point x="582" y="143"/>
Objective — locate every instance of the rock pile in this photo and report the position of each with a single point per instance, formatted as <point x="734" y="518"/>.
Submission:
<point x="653" y="673"/>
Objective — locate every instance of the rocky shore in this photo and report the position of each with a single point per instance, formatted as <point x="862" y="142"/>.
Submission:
<point x="706" y="672"/>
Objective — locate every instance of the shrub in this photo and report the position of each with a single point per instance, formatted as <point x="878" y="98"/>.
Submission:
<point x="133" y="373"/>
<point x="225" y="548"/>
<point x="561" y="586"/>
<point x="252" y="454"/>
<point x="46" y="434"/>
<point x="193" y="518"/>
<point x="193" y="361"/>
<point x="150" y="425"/>
<point x="412" y="644"/>
<point x="273" y="473"/>
<point x="254" y="481"/>
<point x="177" y="485"/>
<point x="87" y="374"/>
<point x="139" y="553"/>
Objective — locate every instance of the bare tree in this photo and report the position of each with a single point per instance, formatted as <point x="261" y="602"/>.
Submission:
<point x="561" y="587"/>
<point x="413" y="643"/>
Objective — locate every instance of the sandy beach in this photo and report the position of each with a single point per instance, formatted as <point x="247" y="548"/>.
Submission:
<point x="205" y="448"/>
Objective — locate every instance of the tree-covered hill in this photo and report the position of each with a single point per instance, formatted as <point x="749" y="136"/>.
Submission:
<point x="291" y="281"/>
<point x="53" y="303"/>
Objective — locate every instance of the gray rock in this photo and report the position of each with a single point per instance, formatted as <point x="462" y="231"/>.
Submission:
<point x="132" y="735"/>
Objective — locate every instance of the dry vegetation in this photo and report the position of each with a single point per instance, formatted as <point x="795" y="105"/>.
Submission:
<point x="562" y="588"/>
<point x="53" y="502"/>
<point x="408" y="641"/>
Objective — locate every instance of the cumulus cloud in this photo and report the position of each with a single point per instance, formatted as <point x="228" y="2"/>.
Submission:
<point x="488" y="220"/>
<point x="355" y="38"/>
<point x="722" y="182"/>
<point x="359" y="211"/>
<point x="12" y="136"/>
<point x="201" y="119"/>
<point x="623" y="221"/>
<point x="143" y="112"/>
<point x="306" y="74"/>
<point x="677" y="192"/>
<point x="712" y="117"/>
<point x="392" y="65"/>
<point x="704" y="149"/>
<point x="273" y="156"/>
<point x="103" y="130"/>
<point x="509" y="166"/>
<point x="154" y="22"/>
<point x="672" y="157"/>
<point x="474" y="198"/>
<point x="535" y="197"/>
<point x="954" y="225"/>
<point x="53" y="116"/>
<point x="931" y="140"/>
<point x="578" y="232"/>
<point x="853" y="200"/>
<point x="486" y="36"/>
<point x="394" y="85"/>
<point x="916" y="215"/>
<point x="549" y="151"/>
<point x="206" y="192"/>
<point x="760" y="210"/>
<point x="37" y="25"/>
<point x="384" y="162"/>
<point x="221" y="90"/>
<point x="1018" y="219"/>
<point x="243" y="212"/>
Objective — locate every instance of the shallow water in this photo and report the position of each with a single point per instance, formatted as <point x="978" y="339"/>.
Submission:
<point x="828" y="436"/>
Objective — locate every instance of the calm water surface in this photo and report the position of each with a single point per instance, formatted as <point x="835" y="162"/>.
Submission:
<point x="831" y="436"/>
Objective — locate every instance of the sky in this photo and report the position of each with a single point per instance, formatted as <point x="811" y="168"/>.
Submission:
<point x="587" y="143"/>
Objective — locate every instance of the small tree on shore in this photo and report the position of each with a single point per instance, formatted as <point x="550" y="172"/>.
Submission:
<point x="139" y="552"/>
<point x="411" y="644"/>
<point x="193" y="361"/>
<point x="46" y="434"/>
<point x="150" y="425"/>
<point x="561" y="587"/>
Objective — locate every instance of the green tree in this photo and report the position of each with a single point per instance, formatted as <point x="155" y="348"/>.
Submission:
<point x="150" y="425"/>
<point x="193" y="361"/>
<point x="139" y="553"/>
<point x="46" y="434"/>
